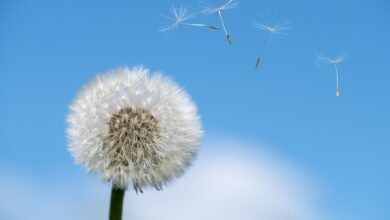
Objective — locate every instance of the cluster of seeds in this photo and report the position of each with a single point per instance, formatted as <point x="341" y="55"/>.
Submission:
<point x="131" y="141"/>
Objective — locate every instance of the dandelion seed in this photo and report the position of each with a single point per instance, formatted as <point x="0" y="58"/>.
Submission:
<point x="180" y="16"/>
<point x="321" y="59"/>
<point x="219" y="9"/>
<point x="271" y="31"/>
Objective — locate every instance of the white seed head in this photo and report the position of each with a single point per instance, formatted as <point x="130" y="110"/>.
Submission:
<point x="134" y="128"/>
<point x="322" y="59"/>
<point x="178" y="17"/>
<point x="281" y="28"/>
<point x="223" y="7"/>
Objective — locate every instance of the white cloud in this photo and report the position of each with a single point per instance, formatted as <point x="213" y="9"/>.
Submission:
<point x="24" y="197"/>
<point x="230" y="180"/>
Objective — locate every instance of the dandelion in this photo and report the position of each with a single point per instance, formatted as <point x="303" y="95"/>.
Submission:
<point x="180" y="17"/>
<point x="321" y="59"/>
<point x="219" y="9"/>
<point x="271" y="31"/>
<point x="133" y="128"/>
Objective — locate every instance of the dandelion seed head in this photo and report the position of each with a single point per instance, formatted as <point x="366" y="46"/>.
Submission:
<point x="178" y="17"/>
<point x="223" y="7"/>
<point x="132" y="127"/>
<point x="322" y="59"/>
<point x="274" y="29"/>
<point x="339" y="59"/>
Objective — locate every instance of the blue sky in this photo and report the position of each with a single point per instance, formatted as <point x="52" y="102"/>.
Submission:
<point x="48" y="49"/>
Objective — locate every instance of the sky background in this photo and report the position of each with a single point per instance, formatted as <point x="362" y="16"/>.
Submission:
<point x="48" y="49"/>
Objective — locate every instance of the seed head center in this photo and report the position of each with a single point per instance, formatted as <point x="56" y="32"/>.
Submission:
<point x="132" y="137"/>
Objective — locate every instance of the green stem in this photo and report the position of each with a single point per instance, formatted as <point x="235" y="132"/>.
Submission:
<point x="117" y="195"/>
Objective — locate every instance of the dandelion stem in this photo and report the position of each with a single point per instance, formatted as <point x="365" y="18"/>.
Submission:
<point x="224" y="28"/>
<point x="337" y="80"/>
<point x="258" y="60"/>
<point x="337" y="75"/>
<point x="117" y="195"/>
<point x="264" y="43"/>
<point x="223" y="24"/>
<point x="202" y="25"/>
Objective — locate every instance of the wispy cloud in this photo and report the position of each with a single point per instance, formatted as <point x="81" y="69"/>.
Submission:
<point x="229" y="181"/>
<point x="24" y="197"/>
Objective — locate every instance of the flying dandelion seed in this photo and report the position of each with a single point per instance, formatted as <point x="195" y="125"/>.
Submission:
<point x="180" y="16"/>
<point x="271" y="31"/>
<point x="219" y="9"/>
<point x="321" y="59"/>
